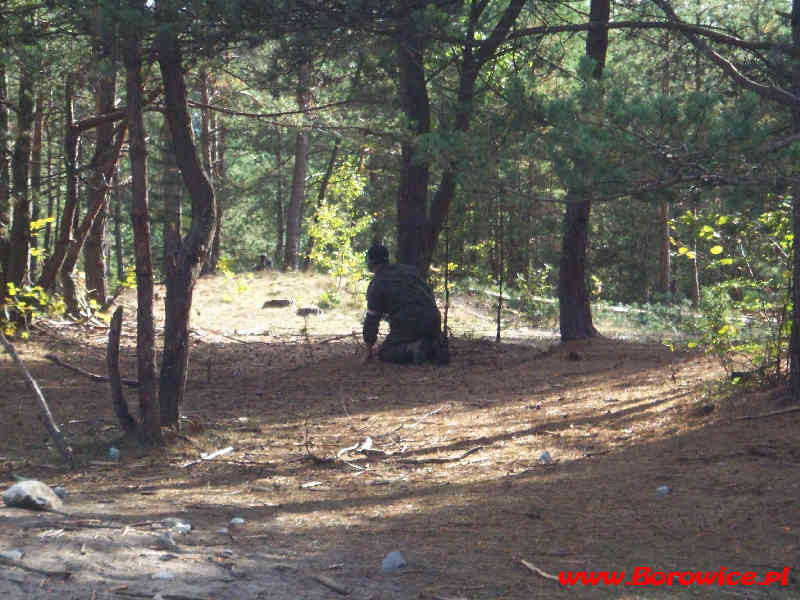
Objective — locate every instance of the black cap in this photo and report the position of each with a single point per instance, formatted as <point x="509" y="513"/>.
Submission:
<point x="377" y="255"/>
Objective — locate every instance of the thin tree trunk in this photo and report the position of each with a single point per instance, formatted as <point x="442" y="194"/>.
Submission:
<point x="105" y="160"/>
<point x="794" y="341"/>
<point x="5" y="180"/>
<point x="118" y="229"/>
<point x="16" y="270"/>
<point x="107" y="157"/>
<point x="694" y="275"/>
<point x="53" y="264"/>
<point x="36" y="175"/>
<point x="194" y="247"/>
<point x="294" y="215"/>
<point x="145" y="327"/>
<point x="280" y="211"/>
<point x="663" y="249"/>
<point x="51" y="193"/>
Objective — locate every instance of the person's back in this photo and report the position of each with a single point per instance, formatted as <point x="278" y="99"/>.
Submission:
<point x="399" y="294"/>
<point x="402" y="296"/>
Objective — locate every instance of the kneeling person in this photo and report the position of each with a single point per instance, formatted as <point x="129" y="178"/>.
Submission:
<point x="400" y="295"/>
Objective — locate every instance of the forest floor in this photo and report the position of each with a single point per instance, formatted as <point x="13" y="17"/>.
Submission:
<point x="335" y="465"/>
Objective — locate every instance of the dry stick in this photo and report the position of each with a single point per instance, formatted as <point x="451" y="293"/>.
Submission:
<point x="92" y="376"/>
<point x="331" y="584"/>
<point x="419" y="461"/>
<point x="50" y="424"/>
<point x="46" y="573"/>
<point x="774" y="413"/>
<point x="126" y="421"/>
<point x="533" y="568"/>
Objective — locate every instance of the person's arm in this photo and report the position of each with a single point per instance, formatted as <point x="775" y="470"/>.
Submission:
<point x="372" y="319"/>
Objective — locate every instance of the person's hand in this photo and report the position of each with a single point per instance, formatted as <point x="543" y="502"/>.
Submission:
<point x="367" y="355"/>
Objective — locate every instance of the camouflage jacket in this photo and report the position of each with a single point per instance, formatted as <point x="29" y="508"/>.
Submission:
<point x="399" y="294"/>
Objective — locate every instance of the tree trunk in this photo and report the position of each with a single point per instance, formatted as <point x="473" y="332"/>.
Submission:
<point x="573" y="295"/>
<point x="206" y="144"/>
<point x="105" y="161"/>
<point x="106" y="157"/>
<point x="195" y="246"/>
<point x="294" y="216"/>
<point x="280" y="220"/>
<point x="145" y="327"/>
<point x="663" y="283"/>
<point x="16" y="270"/>
<point x="794" y="340"/>
<point x="36" y="175"/>
<point x="412" y="201"/>
<point x="5" y="180"/>
<point x="118" y="230"/>
<point x="53" y="264"/>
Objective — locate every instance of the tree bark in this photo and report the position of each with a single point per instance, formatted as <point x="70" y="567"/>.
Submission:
<point x="194" y="247"/>
<point x="126" y="422"/>
<point x="794" y="340"/>
<point x="107" y="157"/>
<point x="294" y="215"/>
<point x="573" y="295"/>
<point x="663" y="283"/>
<point x="280" y="212"/>
<point x="5" y="180"/>
<point x="150" y="414"/>
<point x="118" y="252"/>
<point x="53" y="263"/>
<point x="36" y="175"/>
<point x="16" y="270"/>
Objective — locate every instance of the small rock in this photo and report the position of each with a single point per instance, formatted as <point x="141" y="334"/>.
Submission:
<point x="164" y="575"/>
<point x="32" y="494"/>
<point x="13" y="554"/>
<point x="166" y="557"/>
<point x="393" y="561"/>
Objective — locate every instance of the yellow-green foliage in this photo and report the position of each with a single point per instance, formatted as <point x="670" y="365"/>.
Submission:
<point x="335" y="228"/>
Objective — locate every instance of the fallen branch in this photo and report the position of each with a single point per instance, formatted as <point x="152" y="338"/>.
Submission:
<point x="420" y="461"/>
<point x="774" y="413"/>
<point x="331" y="584"/>
<point x="534" y="569"/>
<point x="50" y="424"/>
<point x="93" y="376"/>
<point x="45" y="572"/>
